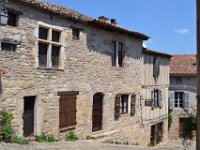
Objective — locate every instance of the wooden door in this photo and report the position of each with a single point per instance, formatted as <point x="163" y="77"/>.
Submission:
<point x="28" y="116"/>
<point x="97" y="112"/>
<point x="153" y="135"/>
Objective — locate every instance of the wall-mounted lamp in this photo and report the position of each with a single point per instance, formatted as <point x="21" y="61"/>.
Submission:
<point x="4" y="13"/>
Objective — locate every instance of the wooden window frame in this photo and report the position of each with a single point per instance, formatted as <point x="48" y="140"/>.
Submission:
<point x="177" y="101"/>
<point x="123" y="108"/>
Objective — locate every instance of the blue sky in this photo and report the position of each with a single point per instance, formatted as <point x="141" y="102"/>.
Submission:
<point x="171" y="24"/>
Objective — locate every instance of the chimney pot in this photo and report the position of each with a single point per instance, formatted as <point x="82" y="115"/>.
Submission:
<point x="103" y="19"/>
<point x="113" y="22"/>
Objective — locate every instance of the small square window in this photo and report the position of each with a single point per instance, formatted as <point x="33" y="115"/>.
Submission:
<point x="55" y="56"/>
<point x="43" y="33"/>
<point x="75" y="34"/>
<point x="12" y="19"/>
<point x="55" y="36"/>
<point x="43" y="48"/>
<point x="8" y="47"/>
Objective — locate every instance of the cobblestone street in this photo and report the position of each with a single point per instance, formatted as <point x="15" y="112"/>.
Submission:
<point x="89" y="145"/>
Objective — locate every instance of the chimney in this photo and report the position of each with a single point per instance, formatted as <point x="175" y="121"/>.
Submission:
<point x="113" y="22"/>
<point x="103" y="19"/>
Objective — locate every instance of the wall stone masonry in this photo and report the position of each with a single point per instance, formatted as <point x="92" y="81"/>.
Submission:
<point x="85" y="66"/>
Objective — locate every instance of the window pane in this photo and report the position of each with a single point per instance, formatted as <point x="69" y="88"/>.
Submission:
<point x="8" y="47"/>
<point x="124" y="103"/>
<point x="75" y="34"/>
<point x="43" y="55"/>
<point x="113" y="53"/>
<point x="55" y="56"/>
<point x="43" y="33"/>
<point x="120" y="54"/>
<point x="12" y="19"/>
<point x="55" y="36"/>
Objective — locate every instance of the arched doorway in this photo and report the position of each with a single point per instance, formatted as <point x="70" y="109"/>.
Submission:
<point x="97" y="112"/>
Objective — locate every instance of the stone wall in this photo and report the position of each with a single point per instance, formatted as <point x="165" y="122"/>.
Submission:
<point x="85" y="66"/>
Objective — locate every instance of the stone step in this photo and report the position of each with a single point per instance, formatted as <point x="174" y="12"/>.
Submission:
<point x="98" y="135"/>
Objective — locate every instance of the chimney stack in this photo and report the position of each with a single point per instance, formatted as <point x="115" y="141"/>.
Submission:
<point x="103" y="19"/>
<point x="113" y="22"/>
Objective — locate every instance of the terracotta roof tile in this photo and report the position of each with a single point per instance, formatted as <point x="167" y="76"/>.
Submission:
<point x="72" y="14"/>
<point x="183" y="65"/>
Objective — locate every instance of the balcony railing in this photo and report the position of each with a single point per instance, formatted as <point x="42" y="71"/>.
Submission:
<point x="183" y="87"/>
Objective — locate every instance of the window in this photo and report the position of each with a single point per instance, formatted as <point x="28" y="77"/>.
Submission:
<point x="55" y="36"/>
<point x="8" y="47"/>
<point x="157" y="99"/>
<point x="178" y="99"/>
<point x="75" y="34"/>
<point x="12" y="19"/>
<point x="124" y="104"/>
<point x="49" y="47"/>
<point x="178" y="80"/>
<point x="43" y="33"/>
<point x="118" y="54"/>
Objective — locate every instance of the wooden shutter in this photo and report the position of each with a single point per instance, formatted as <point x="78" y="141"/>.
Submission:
<point x="67" y="112"/>
<point x="133" y="104"/>
<point x="171" y="100"/>
<point x="160" y="101"/>
<point x="117" y="106"/>
<point x="186" y="101"/>
<point x="156" y="66"/>
<point x="152" y="99"/>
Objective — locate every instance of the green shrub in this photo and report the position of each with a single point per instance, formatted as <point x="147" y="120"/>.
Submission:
<point x="19" y="140"/>
<point x="6" y="129"/>
<point x="45" y="138"/>
<point x="71" y="137"/>
<point x="169" y="121"/>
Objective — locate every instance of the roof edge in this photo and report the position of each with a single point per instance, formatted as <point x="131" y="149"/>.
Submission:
<point x="152" y="52"/>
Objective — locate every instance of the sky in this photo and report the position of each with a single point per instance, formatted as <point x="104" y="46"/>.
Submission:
<point x="170" y="24"/>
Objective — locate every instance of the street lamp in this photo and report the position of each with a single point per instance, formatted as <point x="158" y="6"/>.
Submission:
<point x="4" y="13"/>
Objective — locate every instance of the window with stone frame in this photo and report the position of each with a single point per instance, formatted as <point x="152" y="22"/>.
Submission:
<point x="179" y="99"/>
<point x="118" y="53"/>
<point x="49" y="47"/>
<point x="157" y="98"/>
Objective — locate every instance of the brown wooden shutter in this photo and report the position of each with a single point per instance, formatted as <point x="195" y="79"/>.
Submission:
<point x="117" y="106"/>
<point x="133" y="104"/>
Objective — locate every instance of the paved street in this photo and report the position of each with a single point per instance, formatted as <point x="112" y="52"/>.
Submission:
<point x="88" y="145"/>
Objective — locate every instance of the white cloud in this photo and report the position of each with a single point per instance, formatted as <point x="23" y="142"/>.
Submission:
<point x="181" y="31"/>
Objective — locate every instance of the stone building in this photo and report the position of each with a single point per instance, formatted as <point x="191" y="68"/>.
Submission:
<point x="65" y="71"/>
<point x="182" y="92"/>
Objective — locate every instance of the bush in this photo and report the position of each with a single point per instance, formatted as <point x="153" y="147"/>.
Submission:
<point x="19" y="140"/>
<point x="6" y="130"/>
<point x="169" y="121"/>
<point x="45" y="138"/>
<point x="71" y="137"/>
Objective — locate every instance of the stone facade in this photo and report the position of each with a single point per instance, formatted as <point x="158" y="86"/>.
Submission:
<point x="85" y="66"/>
<point x="188" y="85"/>
<point x="182" y="92"/>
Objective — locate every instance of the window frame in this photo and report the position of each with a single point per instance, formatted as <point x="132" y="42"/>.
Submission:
<point x="118" y="55"/>
<point x="124" y="109"/>
<point x="76" y="33"/>
<point x="51" y="43"/>
<point x="177" y="101"/>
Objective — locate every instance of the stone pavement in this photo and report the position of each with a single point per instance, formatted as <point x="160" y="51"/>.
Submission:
<point x="88" y="145"/>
